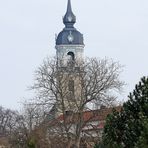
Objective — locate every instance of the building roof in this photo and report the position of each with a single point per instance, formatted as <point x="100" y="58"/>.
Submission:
<point x="87" y="116"/>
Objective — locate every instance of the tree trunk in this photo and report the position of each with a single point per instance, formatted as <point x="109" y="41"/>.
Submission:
<point x="77" y="143"/>
<point x="69" y="143"/>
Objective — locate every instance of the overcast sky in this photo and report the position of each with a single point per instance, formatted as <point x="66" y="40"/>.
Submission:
<point x="116" y="29"/>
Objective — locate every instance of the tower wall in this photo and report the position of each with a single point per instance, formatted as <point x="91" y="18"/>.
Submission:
<point x="63" y="57"/>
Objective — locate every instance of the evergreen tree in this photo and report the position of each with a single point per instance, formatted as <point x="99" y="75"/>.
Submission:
<point x="123" y="129"/>
<point x="99" y="145"/>
<point x="143" y="139"/>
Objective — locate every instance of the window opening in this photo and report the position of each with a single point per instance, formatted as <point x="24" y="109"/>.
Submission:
<point x="71" y="58"/>
<point x="71" y="85"/>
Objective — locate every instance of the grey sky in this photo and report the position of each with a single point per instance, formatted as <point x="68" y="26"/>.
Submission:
<point x="116" y="29"/>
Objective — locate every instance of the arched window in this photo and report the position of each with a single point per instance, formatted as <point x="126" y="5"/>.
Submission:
<point x="71" y="55"/>
<point x="71" y="59"/>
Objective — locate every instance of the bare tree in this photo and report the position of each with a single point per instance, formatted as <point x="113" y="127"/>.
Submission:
<point x="74" y="89"/>
<point x="8" y="121"/>
<point x="11" y="126"/>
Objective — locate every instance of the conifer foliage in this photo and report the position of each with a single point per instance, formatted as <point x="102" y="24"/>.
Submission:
<point x="129" y="127"/>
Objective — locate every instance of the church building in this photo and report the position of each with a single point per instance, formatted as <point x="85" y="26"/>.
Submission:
<point x="70" y="114"/>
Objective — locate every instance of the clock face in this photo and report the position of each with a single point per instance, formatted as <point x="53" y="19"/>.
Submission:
<point x="70" y="38"/>
<point x="69" y="18"/>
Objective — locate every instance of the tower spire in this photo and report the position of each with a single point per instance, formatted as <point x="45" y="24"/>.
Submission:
<point x="69" y="18"/>
<point x="69" y="35"/>
<point x="69" y="6"/>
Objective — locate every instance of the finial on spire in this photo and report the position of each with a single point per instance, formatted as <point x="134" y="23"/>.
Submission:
<point x="69" y="6"/>
<point x="69" y="18"/>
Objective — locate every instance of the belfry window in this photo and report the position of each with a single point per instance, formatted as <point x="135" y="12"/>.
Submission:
<point x="71" y="59"/>
<point x="71" y="56"/>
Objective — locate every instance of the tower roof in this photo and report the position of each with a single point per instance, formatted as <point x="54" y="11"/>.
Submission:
<point x="69" y="18"/>
<point x="69" y="35"/>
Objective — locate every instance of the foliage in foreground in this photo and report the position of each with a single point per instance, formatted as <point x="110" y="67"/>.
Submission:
<point x="129" y="128"/>
<point x="73" y="88"/>
<point x="143" y="139"/>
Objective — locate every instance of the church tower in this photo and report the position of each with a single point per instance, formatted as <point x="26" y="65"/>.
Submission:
<point x="69" y="53"/>
<point x="69" y="42"/>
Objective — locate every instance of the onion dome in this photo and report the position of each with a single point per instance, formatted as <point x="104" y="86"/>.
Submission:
<point x="69" y="35"/>
<point x="69" y="19"/>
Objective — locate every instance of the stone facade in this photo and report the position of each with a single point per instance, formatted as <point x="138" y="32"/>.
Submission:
<point x="70" y="57"/>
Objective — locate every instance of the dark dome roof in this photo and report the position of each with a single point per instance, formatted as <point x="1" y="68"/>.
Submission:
<point x="69" y="36"/>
